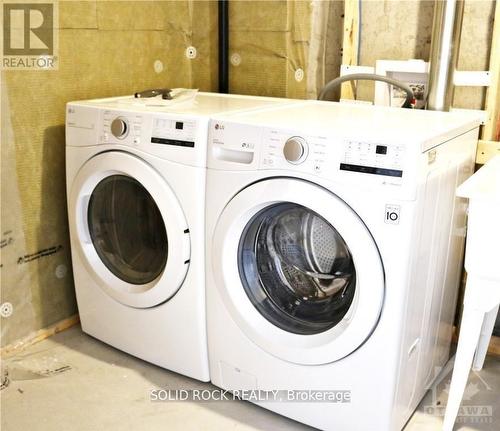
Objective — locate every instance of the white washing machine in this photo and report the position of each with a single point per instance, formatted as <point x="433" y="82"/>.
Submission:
<point x="136" y="184"/>
<point x="334" y="252"/>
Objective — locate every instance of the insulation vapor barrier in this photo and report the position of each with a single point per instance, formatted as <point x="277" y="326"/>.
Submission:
<point x="104" y="49"/>
<point x="279" y="48"/>
<point x="111" y="48"/>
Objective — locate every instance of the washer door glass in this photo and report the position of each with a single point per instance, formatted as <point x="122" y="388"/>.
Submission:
<point x="127" y="229"/>
<point x="296" y="269"/>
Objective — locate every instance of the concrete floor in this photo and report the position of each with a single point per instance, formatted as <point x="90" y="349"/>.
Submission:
<point x="74" y="382"/>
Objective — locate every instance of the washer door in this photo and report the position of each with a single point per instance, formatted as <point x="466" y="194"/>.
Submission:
<point x="298" y="270"/>
<point x="132" y="233"/>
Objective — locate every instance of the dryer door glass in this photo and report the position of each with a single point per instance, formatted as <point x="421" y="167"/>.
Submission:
<point x="296" y="269"/>
<point x="127" y="229"/>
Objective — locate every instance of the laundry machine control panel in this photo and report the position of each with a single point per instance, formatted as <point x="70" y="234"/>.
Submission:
<point x="173" y="131"/>
<point x="170" y="136"/>
<point x="373" y="158"/>
<point x="320" y="154"/>
<point x="121" y="127"/>
<point x="366" y="161"/>
<point x="134" y="128"/>
<point x="285" y="149"/>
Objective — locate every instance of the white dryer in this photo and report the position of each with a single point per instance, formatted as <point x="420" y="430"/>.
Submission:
<point x="135" y="185"/>
<point x="334" y="251"/>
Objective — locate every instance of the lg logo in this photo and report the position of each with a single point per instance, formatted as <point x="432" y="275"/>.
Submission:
<point x="28" y="29"/>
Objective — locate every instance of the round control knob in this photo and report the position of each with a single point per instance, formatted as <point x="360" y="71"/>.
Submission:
<point x="119" y="127"/>
<point x="295" y="150"/>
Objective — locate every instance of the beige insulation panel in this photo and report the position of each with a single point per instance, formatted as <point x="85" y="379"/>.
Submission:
<point x="270" y="47"/>
<point x="105" y="49"/>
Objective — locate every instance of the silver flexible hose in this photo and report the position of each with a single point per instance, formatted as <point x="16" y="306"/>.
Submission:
<point x="368" y="77"/>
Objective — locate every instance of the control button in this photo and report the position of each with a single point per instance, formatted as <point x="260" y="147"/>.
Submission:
<point x="317" y="168"/>
<point x="137" y="141"/>
<point x="119" y="127"/>
<point x="105" y="137"/>
<point x="295" y="150"/>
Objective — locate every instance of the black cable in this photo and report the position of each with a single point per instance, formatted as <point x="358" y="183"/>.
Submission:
<point x="223" y="6"/>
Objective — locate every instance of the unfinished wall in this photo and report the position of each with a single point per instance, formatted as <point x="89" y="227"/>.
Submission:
<point x="401" y="30"/>
<point x="279" y="48"/>
<point x="105" y="49"/>
<point x="265" y="48"/>
<point x="475" y="45"/>
<point x="271" y="40"/>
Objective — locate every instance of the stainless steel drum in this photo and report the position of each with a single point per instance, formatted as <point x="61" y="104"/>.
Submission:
<point x="296" y="268"/>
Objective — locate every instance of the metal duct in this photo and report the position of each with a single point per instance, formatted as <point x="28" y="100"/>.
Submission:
<point x="446" y="30"/>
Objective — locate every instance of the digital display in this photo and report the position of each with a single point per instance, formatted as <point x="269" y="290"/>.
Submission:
<point x="175" y="142"/>
<point x="179" y="125"/>
<point x="381" y="149"/>
<point x="371" y="170"/>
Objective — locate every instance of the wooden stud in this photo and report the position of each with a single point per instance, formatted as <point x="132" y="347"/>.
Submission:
<point x="490" y="130"/>
<point x="486" y="150"/>
<point x="350" y="44"/>
<point x="39" y="335"/>
<point x="493" y="347"/>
